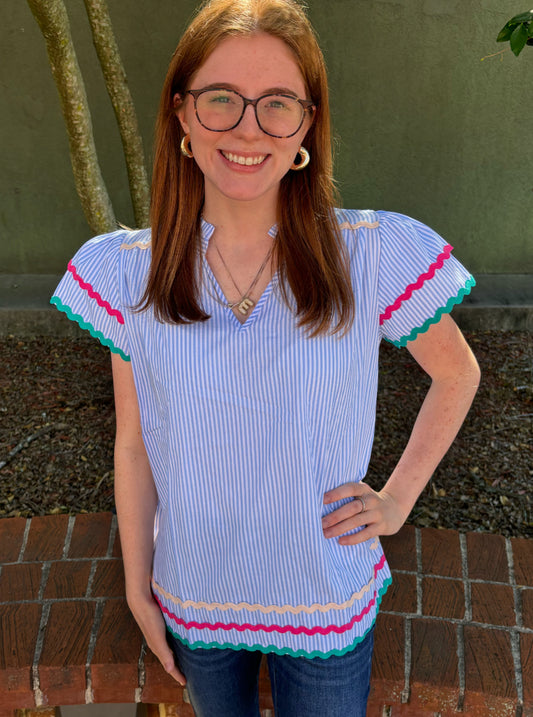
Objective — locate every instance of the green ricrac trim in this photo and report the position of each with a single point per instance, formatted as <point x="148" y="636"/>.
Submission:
<point x="284" y="650"/>
<point x="452" y="301"/>
<point x="56" y="301"/>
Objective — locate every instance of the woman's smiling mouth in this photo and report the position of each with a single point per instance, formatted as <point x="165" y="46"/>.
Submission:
<point x="240" y="159"/>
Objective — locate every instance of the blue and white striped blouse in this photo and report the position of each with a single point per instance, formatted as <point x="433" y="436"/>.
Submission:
<point x="247" y="425"/>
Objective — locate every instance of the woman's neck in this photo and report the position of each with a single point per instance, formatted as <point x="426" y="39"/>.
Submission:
<point x="244" y="223"/>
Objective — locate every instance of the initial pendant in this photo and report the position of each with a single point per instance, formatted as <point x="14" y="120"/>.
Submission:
<point x="245" y="305"/>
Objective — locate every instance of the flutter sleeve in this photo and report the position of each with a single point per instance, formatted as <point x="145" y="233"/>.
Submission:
<point x="419" y="279"/>
<point x="90" y="292"/>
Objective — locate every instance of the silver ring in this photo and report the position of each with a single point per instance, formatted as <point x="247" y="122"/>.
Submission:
<point x="360" y="497"/>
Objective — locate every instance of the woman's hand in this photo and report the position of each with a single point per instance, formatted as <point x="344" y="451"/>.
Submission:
<point x="379" y="513"/>
<point x="148" y="617"/>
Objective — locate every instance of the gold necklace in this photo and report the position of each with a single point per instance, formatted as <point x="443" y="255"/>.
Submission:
<point x="245" y="303"/>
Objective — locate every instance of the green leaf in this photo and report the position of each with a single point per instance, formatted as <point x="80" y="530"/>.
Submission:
<point x="506" y="32"/>
<point x="530" y="29"/>
<point x="519" y="38"/>
<point x="523" y="17"/>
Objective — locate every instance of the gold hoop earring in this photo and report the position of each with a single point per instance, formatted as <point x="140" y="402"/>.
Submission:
<point x="185" y="146"/>
<point x="305" y="159"/>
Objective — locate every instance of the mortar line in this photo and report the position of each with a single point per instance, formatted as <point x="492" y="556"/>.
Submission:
<point x="461" y="667"/>
<point x="68" y="536"/>
<point x="141" y="673"/>
<point x="112" y="535"/>
<point x="406" y="692"/>
<point x="517" y="594"/>
<point x="24" y="540"/>
<point x="515" y="651"/>
<point x="466" y="582"/>
<point x="45" y="572"/>
<point x="39" y="643"/>
<point x="418" y="548"/>
<point x="99" y="611"/>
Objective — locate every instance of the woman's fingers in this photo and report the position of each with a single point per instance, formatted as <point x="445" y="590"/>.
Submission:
<point x="341" y="520"/>
<point x="369" y="512"/>
<point x="149" y="618"/>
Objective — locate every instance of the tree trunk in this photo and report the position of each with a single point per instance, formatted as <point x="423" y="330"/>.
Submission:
<point x="52" y="18"/>
<point x="119" y="92"/>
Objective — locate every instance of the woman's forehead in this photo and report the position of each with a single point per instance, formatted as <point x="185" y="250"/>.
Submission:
<point x="249" y="62"/>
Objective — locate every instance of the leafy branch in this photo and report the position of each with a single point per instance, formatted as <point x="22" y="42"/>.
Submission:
<point x="518" y="31"/>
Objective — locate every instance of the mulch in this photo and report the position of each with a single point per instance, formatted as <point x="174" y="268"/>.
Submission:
<point x="57" y="432"/>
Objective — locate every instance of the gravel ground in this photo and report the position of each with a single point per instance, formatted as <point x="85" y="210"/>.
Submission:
<point x="57" y="426"/>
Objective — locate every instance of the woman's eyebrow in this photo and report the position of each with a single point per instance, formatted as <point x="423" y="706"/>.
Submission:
<point x="268" y="91"/>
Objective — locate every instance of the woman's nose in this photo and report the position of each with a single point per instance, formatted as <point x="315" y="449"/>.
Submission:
<point x="248" y="123"/>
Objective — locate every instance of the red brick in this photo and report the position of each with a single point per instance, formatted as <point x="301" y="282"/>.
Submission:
<point x="487" y="557"/>
<point x="67" y="579"/>
<point x="493" y="604"/>
<point x="434" y="654"/>
<point x="90" y="536"/>
<point x="265" y="691"/>
<point x="441" y="552"/>
<point x="401" y="595"/>
<point x="64" y="655"/>
<point x="526" y="657"/>
<point x="489" y="664"/>
<point x="19" y="626"/>
<point x="442" y="597"/>
<point x="523" y="561"/>
<point x="389" y="641"/>
<point x="46" y="538"/>
<point x="109" y="579"/>
<point x="9" y="712"/>
<point x="114" y="666"/>
<point x="20" y="581"/>
<point x="11" y="534"/>
<point x="159" y="686"/>
<point x="400" y="549"/>
<point x="527" y="608"/>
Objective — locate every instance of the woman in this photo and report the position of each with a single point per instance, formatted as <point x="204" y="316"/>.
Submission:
<point x="244" y="330"/>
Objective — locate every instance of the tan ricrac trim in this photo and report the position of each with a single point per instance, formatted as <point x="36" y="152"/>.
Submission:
<point x="367" y="225"/>
<point x="266" y="609"/>
<point x="137" y="245"/>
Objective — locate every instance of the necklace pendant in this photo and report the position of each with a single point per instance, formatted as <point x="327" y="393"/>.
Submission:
<point x="245" y="306"/>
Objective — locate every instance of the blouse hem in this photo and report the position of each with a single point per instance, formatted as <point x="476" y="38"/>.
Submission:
<point x="266" y="649"/>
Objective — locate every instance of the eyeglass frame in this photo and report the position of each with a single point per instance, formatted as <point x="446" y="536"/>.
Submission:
<point x="306" y="105"/>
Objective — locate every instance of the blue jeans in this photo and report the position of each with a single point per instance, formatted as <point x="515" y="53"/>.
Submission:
<point x="224" y="683"/>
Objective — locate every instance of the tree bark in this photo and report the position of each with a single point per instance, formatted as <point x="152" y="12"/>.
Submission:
<point x="119" y="92"/>
<point x="52" y="18"/>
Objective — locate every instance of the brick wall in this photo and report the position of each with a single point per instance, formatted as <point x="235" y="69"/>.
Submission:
<point x="455" y="633"/>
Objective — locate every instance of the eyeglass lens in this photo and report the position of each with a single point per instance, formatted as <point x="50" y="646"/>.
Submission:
<point x="220" y="110"/>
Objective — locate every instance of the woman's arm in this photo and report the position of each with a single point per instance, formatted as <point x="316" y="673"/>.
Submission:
<point x="444" y="354"/>
<point x="136" y="501"/>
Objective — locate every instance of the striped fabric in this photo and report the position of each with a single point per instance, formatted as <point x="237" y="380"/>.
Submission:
<point x="247" y="425"/>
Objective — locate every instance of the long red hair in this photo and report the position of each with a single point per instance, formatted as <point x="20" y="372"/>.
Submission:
<point x="311" y="257"/>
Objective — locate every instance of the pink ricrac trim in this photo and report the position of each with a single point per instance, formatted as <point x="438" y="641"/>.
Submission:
<point x="429" y="274"/>
<point x="272" y="628"/>
<point x="95" y="295"/>
<point x="317" y="630"/>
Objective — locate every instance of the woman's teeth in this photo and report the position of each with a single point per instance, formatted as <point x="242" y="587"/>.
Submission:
<point x="248" y="161"/>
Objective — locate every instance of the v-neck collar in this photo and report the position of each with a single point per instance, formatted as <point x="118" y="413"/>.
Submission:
<point x="207" y="230"/>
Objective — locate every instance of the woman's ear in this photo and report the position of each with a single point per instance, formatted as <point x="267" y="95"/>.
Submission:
<point x="178" y="102"/>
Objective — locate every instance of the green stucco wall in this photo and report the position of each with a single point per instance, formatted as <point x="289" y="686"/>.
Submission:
<point x="424" y="126"/>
